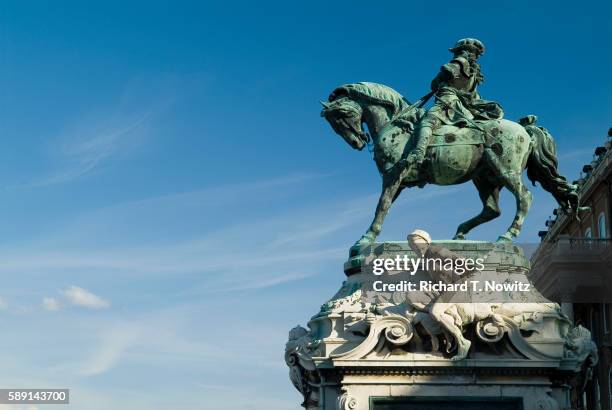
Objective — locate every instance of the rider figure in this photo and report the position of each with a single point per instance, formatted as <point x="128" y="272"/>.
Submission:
<point x="456" y="100"/>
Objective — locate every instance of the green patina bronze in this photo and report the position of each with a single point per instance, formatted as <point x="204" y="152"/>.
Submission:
<point x="460" y="138"/>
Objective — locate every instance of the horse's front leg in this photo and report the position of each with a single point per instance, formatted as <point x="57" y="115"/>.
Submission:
<point x="390" y="191"/>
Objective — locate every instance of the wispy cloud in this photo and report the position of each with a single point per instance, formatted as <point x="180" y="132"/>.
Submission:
<point x="86" y="154"/>
<point x="295" y="244"/>
<point x="50" y="304"/>
<point x="90" y="143"/>
<point x="263" y="282"/>
<point x="114" y="343"/>
<point x="180" y="297"/>
<point x="87" y="151"/>
<point x="585" y="152"/>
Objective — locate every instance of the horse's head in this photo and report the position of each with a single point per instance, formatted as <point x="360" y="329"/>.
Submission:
<point x="345" y="117"/>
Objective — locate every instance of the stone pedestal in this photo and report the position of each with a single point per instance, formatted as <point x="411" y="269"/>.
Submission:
<point x="379" y="351"/>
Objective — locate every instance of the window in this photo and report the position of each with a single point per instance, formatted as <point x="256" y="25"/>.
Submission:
<point x="587" y="233"/>
<point x="594" y="323"/>
<point x="604" y="317"/>
<point x="610" y="386"/>
<point x="601" y="225"/>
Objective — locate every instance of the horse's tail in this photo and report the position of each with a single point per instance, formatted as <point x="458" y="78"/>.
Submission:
<point x="542" y="166"/>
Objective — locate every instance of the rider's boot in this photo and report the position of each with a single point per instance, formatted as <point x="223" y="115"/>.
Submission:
<point x="417" y="156"/>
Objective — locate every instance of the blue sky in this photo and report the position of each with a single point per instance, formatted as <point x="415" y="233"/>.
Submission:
<point x="172" y="203"/>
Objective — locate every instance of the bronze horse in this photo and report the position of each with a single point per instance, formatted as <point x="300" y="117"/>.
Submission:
<point x="493" y="154"/>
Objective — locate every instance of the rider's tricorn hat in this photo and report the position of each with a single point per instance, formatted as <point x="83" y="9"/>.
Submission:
<point x="472" y="45"/>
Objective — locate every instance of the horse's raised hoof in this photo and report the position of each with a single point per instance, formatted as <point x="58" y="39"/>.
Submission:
<point x="462" y="351"/>
<point x="459" y="237"/>
<point x="364" y="241"/>
<point x="505" y="238"/>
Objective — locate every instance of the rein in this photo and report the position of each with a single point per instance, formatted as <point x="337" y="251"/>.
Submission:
<point x="369" y="142"/>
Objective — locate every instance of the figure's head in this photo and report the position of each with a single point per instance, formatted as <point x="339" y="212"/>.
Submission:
<point x="344" y="116"/>
<point x="471" y="46"/>
<point x="297" y="332"/>
<point x="419" y="241"/>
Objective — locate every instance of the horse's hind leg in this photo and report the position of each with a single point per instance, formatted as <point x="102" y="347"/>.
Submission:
<point x="523" y="202"/>
<point x="489" y="195"/>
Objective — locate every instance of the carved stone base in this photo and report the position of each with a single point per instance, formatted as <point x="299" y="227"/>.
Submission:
<point x="461" y="391"/>
<point x="385" y="352"/>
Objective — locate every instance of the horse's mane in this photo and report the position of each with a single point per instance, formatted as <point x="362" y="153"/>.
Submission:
<point x="373" y="92"/>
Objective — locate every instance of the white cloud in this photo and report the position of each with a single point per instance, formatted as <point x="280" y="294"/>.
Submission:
<point x="82" y="297"/>
<point x="50" y="304"/>
<point x="3" y="304"/>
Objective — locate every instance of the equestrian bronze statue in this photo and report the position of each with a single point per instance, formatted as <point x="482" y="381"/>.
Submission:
<point x="460" y="138"/>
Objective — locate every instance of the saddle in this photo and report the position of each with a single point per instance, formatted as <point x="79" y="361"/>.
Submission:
<point x="448" y="165"/>
<point x="452" y="135"/>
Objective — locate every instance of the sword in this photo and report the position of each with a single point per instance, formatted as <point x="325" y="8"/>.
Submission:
<point x="420" y="103"/>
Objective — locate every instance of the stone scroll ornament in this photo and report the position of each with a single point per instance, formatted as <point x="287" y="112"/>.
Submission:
<point x="299" y="351"/>
<point x="460" y="138"/>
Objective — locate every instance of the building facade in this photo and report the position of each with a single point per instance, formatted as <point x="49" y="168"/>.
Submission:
<point x="571" y="254"/>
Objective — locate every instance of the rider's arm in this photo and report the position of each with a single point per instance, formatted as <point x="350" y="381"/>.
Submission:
<point x="447" y="72"/>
